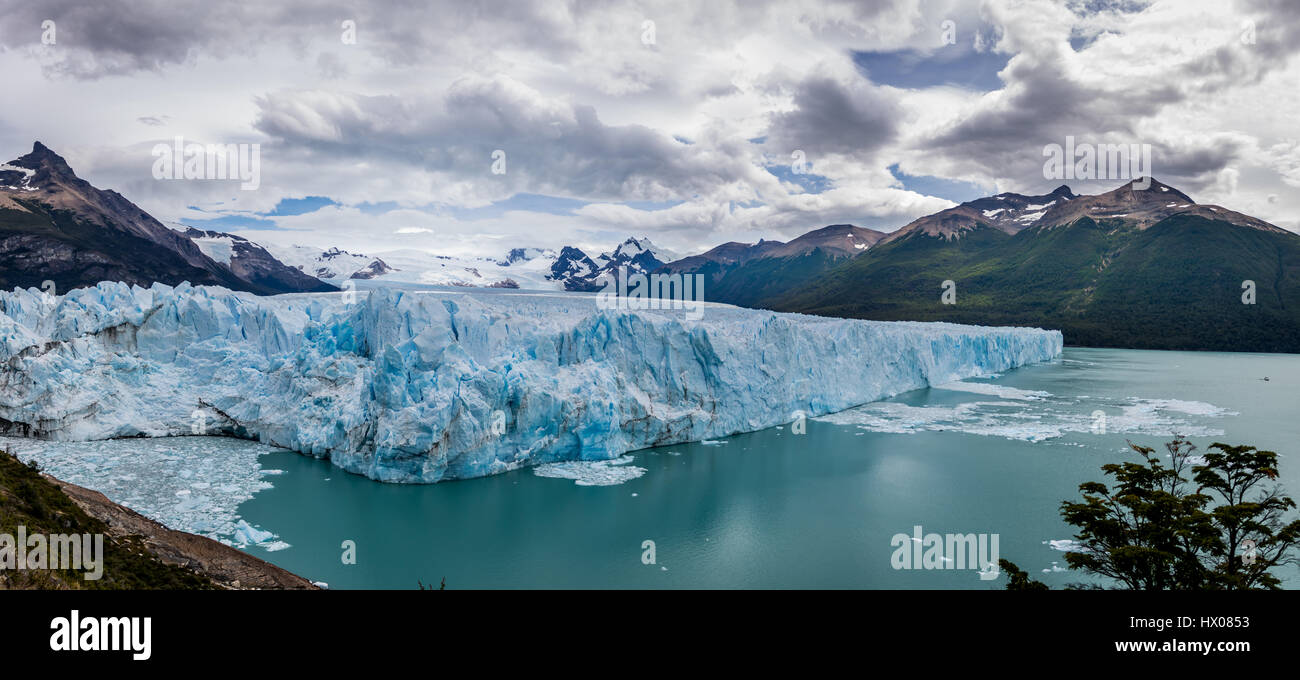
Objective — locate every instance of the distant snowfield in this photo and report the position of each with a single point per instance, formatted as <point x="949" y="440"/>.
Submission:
<point x="419" y="267"/>
<point x="429" y="385"/>
<point x="519" y="268"/>
<point x="217" y="249"/>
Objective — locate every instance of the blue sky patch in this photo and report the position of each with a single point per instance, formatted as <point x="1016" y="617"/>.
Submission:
<point x="232" y="223"/>
<point x="951" y="189"/>
<point x="552" y="205"/>
<point x="956" y="65"/>
<point x="299" y="206"/>
<point x="811" y="182"/>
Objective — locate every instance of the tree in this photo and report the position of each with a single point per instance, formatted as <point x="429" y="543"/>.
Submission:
<point x="1151" y="530"/>
<point x="1148" y="530"/>
<point x="1018" y="579"/>
<point x="1253" y="536"/>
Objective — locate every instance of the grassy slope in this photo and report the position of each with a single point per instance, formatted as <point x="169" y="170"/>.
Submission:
<point x="763" y="278"/>
<point x="28" y="499"/>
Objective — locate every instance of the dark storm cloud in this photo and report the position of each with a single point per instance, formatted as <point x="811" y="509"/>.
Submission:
<point x="1277" y="22"/>
<point x="831" y="117"/>
<point x="1045" y="102"/>
<point x="1041" y="106"/>
<point x="550" y="147"/>
<point x="112" y="37"/>
<point x="116" y="37"/>
<point x="1198" y="159"/>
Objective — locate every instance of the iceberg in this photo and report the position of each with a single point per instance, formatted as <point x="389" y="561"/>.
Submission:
<point x="592" y="473"/>
<point x="246" y="534"/>
<point x="429" y="385"/>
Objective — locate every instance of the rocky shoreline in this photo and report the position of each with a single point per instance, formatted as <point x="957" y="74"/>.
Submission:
<point x="112" y="547"/>
<point x="227" y="567"/>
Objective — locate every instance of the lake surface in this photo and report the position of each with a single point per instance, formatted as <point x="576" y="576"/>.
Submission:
<point x="770" y="509"/>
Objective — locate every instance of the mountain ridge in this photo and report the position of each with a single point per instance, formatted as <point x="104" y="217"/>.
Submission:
<point x="1100" y="267"/>
<point x="1131" y="267"/>
<point x="57" y="227"/>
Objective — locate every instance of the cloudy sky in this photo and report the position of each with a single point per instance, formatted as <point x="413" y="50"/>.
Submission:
<point x="687" y="122"/>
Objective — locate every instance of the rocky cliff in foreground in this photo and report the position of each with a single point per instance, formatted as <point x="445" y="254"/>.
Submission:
<point x="137" y="552"/>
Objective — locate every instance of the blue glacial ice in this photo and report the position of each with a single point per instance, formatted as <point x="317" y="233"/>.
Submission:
<point x="424" y="386"/>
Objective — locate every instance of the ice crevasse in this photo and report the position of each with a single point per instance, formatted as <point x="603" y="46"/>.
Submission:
<point x="407" y="386"/>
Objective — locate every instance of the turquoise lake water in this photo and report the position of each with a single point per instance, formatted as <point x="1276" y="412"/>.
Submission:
<point x="774" y="509"/>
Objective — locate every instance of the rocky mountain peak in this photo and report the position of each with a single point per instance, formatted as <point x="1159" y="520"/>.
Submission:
<point x="45" y="163"/>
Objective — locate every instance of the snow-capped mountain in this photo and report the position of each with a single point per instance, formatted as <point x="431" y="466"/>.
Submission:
<point x="578" y="272"/>
<point x="1011" y="212"/>
<point x="373" y="270"/>
<point x="1007" y="212"/>
<point x="525" y="255"/>
<point x="332" y="263"/>
<point x="250" y="261"/>
<point x="335" y="260"/>
<point x="640" y="254"/>
<point x="1140" y="203"/>
<point x="574" y="270"/>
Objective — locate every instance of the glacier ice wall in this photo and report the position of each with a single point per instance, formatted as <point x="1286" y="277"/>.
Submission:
<point x="423" y="386"/>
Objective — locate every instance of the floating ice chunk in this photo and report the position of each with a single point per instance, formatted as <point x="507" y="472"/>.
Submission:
<point x="1037" y="416"/>
<point x="994" y="390"/>
<point x="1155" y="417"/>
<point x="592" y="472"/>
<point x="145" y="475"/>
<point x="1193" y="408"/>
<point x="245" y="533"/>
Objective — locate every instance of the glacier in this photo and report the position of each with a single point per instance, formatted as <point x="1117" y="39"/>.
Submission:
<point x="423" y="386"/>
